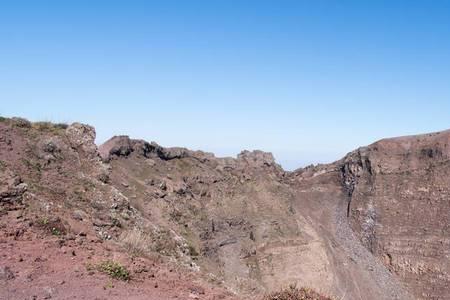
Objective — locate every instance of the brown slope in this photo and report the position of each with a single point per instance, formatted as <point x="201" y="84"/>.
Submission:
<point x="255" y="227"/>
<point x="60" y="219"/>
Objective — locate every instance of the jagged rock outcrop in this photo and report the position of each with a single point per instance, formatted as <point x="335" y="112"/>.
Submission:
<point x="123" y="146"/>
<point x="11" y="187"/>
<point x="257" y="158"/>
<point x="116" y="146"/>
<point x="82" y="136"/>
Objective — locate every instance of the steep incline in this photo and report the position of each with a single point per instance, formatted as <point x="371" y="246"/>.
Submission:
<point x="400" y="203"/>
<point x="359" y="275"/>
<point x="253" y="226"/>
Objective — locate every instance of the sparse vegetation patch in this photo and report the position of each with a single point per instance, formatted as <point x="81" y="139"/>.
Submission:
<point x="52" y="225"/>
<point x="136" y="242"/>
<point x="114" y="269"/>
<point x="294" y="293"/>
<point x="49" y="127"/>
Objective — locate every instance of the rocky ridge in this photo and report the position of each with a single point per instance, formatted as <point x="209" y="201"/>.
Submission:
<point x="370" y="226"/>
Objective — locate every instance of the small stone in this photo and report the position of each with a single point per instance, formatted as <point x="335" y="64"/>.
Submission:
<point x="48" y="292"/>
<point x="6" y="273"/>
<point x="78" y="215"/>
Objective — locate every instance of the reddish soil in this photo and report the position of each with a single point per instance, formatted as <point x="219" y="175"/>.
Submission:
<point x="38" y="265"/>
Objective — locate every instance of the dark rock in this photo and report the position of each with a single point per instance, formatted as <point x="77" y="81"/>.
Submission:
<point x="21" y="122"/>
<point x="173" y="153"/>
<point x="228" y="242"/>
<point x="11" y="188"/>
<point x="116" y="146"/>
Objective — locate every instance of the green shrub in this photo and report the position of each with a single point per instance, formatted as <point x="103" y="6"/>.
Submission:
<point x="114" y="269"/>
<point x="55" y="231"/>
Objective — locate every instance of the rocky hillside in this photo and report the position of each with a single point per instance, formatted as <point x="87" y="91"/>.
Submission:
<point x="132" y="219"/>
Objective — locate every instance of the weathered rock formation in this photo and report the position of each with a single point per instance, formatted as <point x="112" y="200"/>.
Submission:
<point x="399" y="207"/>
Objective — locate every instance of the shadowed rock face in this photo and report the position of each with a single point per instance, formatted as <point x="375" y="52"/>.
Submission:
<point x="123" y="146"/>
<point x="370" y="226"/>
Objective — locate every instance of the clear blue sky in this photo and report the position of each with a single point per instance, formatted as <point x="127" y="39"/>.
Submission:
<point x="306" y="80"/>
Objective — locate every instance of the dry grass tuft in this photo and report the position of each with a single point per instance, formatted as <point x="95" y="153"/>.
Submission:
<point x="136" y="242"/>
<point x="294" y="293"/>
<point x="54" y="128"/>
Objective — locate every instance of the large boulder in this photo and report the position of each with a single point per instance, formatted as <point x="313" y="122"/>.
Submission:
<point x="82" y="137"/>
<point x="172" y="153"/>
<point x="11" y="188"/>
<point x="256" y="158"/>
<point x="123" y="146"/>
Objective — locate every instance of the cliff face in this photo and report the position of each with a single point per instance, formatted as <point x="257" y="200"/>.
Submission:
<point x="188" y="224"/>
<point x="399" y="204"/>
